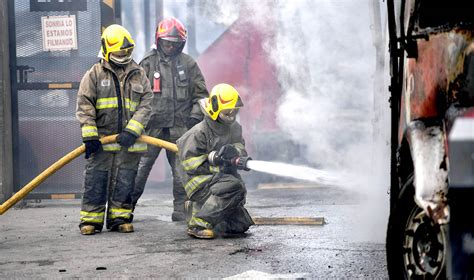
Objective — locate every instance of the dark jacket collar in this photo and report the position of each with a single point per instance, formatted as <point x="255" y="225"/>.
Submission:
<point x="217" y="127"/>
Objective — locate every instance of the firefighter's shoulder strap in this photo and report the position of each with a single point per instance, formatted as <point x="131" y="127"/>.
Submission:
<point x="148" y="54"/>
<point x="154" y="58"/>
<point x="157" y="60"/>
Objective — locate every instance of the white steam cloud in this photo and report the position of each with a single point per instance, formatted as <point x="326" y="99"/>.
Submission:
<point x="326" y="63"/>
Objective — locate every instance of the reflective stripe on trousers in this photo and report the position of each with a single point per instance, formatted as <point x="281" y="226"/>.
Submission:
<point x="119" y="213"/>
<point x="91" y="217"/>
<point x="197" y="181"/>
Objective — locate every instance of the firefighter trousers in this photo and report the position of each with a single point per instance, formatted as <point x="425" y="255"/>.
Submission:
<point x="219" y="205"/>
<point x="148" y="160"/>
<point x="109" y="179"/>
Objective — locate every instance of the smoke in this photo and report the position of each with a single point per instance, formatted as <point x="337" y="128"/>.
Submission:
<point x="223" y="12"/>
<point x="130" y="13"/>
<point x="334" y="94"/>
<point x="326" y="62"/>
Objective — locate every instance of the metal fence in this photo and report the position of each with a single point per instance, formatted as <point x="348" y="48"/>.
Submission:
<point x="45" y="87"/>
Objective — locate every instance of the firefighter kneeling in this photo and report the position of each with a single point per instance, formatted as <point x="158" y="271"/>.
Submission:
<point x="210" y="154"/>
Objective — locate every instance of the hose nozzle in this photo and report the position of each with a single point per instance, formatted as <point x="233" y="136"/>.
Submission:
<point x="241" y="163"/>
<point x="238" y="162"/>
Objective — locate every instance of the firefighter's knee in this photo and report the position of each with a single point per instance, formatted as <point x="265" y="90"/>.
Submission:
<point x="125" y="185"/>
<point x="146" y="164"/>
<point x="95" y="187"/>
<point x="236" y="187"/>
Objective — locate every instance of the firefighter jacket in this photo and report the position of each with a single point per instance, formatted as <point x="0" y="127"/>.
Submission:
<point x="181" y="85"/>
<point x="194" y="148"/>
<point x="110" y="101"/>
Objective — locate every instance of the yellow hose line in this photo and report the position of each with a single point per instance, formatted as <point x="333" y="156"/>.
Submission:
<point x="159" y="143"/>
<point x="68" y="158"/>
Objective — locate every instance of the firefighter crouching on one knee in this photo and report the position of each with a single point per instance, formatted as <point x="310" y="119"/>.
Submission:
<point x="208" y="170"/>
<point x="114" y="97"/>
<point x="177" y="84"/>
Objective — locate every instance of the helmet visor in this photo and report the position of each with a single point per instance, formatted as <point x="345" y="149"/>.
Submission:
<point x="169" y="43"/>
<point x="228" y="116"/>
<point x="122" y="56"/>
<point x="170" y="47"/>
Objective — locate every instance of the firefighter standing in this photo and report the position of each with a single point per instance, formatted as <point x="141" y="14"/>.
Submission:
<point x="216" y="191"/>
<point x="114" y="97"/>
<point x="177" y="85"/>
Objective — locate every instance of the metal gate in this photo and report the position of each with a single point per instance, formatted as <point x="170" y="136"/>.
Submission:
<point x="46" y="68"/>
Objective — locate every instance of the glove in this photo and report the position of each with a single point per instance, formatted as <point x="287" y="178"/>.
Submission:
<point x="228" y="152"/>
<point x="126" y="139"/>
<point x="190" y="122"/>
<point x="93" y="147"/>
<point x="225" y="154"/>
<point x="225" y="157"/>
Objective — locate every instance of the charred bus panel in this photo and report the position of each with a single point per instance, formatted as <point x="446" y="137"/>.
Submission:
<point x="432" y="48"/>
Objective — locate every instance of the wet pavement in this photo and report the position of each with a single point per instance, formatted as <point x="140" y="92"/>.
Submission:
<point x="42" y="240"/>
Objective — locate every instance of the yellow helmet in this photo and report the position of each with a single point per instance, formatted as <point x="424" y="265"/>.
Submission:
<point x="222" y="97"/>
<point x="117" y="44"/>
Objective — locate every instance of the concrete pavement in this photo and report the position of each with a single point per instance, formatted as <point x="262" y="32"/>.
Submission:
<point x="42" y="241"/>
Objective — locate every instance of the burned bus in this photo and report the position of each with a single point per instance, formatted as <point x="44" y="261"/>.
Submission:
<point x="432" y="139"/>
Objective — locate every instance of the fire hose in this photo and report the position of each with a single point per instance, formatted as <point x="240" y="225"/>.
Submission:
<point x="238" y="162"/>
<point x="68" y="158"/>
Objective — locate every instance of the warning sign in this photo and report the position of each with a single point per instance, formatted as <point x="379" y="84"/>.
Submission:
<point x="59" y="33"/>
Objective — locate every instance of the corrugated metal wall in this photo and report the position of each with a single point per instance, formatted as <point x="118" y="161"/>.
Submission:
<point x="46" y="127"/>
<point x="6" y="173"/>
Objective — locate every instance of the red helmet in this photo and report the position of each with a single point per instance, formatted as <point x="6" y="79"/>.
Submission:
<point x="171" y="29"/>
